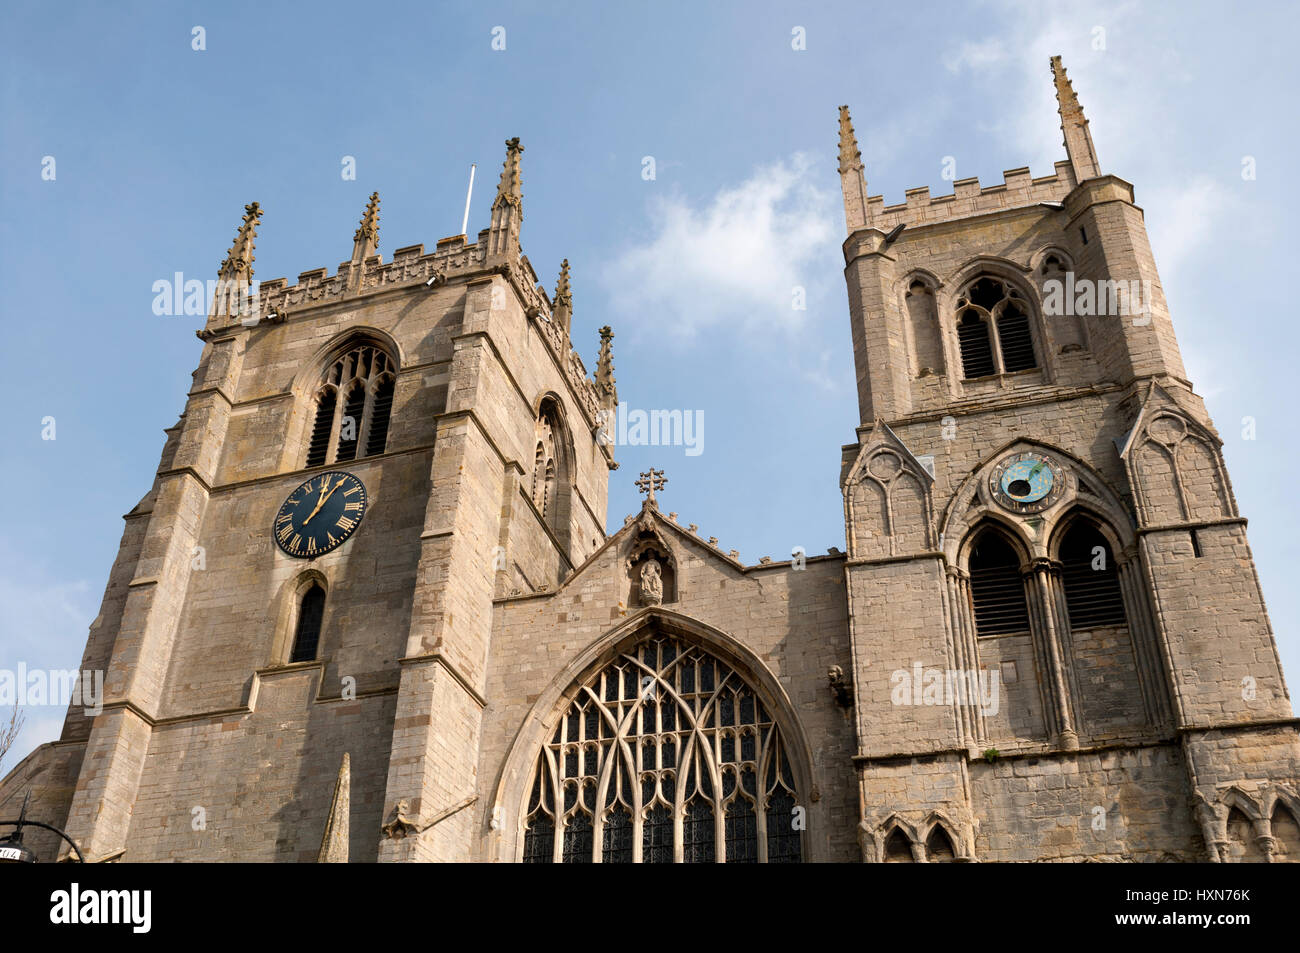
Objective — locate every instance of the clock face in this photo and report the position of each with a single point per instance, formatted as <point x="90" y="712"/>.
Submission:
<point x="320" y="515"/>
<point x="1027" y="482"/>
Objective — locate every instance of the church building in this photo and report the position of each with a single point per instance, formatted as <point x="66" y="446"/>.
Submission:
<point x="371" y="608"/>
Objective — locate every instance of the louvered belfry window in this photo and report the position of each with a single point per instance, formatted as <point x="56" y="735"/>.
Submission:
<point x="353" y="407"/>
<point x="1091" y="579"/>
<point x="976" y="349"/>
<point x="997" y="591"/>
<point x="326" y="403"/>
<point x="1013" y="334"/>
<point x="991" y="309"/>
<point x="354" y="410"/>
<point x="383" y="406"/>
<point x="667" y="754"/>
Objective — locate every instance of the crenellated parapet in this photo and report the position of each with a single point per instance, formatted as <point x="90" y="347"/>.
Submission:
<point x="968" y="198"/>
<point x="451" y="261"/>
<point x="1019" y="189"/>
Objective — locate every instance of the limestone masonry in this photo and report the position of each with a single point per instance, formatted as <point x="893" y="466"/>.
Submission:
<point x="1044" y="640"/>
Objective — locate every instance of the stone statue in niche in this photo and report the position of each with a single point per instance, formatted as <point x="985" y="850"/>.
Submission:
<point x="652" y="582"/>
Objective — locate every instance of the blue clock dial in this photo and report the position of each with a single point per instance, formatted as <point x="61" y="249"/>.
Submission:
<point x="321" y="515"/>
<point x="1027" y="481"/>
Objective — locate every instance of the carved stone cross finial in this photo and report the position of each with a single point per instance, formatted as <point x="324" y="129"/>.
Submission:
<point x="651" y="481"/>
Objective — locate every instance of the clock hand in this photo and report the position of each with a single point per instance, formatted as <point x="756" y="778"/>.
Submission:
<point x="338" y="484"/>
<point x="323" y="497"/>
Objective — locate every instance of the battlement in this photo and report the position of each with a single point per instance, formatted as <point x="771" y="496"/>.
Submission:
<point x="451" y="260"/>
<point x="1018" y="190"/>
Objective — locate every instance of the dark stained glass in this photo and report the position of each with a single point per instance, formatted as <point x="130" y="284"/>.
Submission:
<point x="728" y="749"/>
<point x="741" y="832"/>
<point x="782" y="837"/>
<point x="746" y="708"/>
<point x="706" y="675"/>
<point x="628" y="707"/>
<point x="577" y="840"/>
<point x="728" y="783"/>
<point x="697" y="832"/>
<point x="617" y="845"/>
<point x="539" y="840"/>
<point x="657" y="836"/>
<point x="669" y="753"/>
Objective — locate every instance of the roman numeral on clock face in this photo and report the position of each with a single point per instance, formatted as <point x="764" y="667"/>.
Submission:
<point x="320" y="515"/>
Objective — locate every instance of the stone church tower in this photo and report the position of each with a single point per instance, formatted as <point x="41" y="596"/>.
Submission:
<point x="1037" y="494"/>
<point x="369" y="609"/>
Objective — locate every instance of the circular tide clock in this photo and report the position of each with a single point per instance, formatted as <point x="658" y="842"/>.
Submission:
<point x="321" y="515"/>
<point x="1027" y="482"/>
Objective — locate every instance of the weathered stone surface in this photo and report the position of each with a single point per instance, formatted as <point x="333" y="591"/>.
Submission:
<point x="481" y="595"/>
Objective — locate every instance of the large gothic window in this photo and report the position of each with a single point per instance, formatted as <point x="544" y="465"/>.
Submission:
<point x="353" y="406"/>
<point x="666" y="755"/>
<point x="993" y="332"/>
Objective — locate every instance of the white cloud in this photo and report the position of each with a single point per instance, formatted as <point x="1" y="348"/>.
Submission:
<point x="1016" y="69"/>
<point x="736" y="258"/>
<point x="981" y="55"/>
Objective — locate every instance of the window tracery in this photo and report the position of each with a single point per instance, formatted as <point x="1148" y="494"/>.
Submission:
<point x="993" y="333"/>
<point x="667" y="754"/>
<point x="353" y="407"/>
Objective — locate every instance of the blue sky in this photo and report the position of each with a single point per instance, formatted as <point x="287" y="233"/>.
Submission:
<point x="158" y="147"/>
